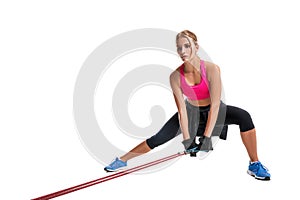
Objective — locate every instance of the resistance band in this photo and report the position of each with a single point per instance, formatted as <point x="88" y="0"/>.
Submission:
<point x="107" y="178"/>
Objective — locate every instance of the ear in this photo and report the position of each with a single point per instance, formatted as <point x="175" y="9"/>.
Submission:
<point x="197" y="46"/>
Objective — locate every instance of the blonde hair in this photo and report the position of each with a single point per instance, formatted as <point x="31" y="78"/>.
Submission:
<point x="187" y="33"/>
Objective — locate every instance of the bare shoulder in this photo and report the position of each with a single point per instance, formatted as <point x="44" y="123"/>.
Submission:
<point x="211" y="67"/>
<point x="212" y="70"/>
<point x="175" y="74"/>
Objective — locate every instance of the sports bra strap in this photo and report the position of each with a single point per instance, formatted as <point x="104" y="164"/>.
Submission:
<point x="203" y="72"/>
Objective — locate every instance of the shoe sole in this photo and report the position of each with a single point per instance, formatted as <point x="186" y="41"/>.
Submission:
<point x="257" y="177"/>
<point x="119" y="169"/>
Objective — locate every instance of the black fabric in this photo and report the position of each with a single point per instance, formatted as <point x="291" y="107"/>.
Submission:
<point x="197" y="118"/>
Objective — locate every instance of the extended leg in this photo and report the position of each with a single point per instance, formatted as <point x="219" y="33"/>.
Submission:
<point x="140" y="149"/>
<point x="166" y="133"/>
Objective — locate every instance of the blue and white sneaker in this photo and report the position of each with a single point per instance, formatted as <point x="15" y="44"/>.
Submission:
<point x="260" y="172"/>
<point x="116" y="165"/>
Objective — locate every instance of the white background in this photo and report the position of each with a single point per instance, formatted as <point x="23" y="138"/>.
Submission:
<point x="43" y="45"/>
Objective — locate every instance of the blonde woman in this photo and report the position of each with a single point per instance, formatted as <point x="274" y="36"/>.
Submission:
<point x="201" y="113"/>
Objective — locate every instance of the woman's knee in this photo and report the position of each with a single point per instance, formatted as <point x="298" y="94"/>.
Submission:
<point x="161" y="138"/>
<point x="251" y="131"/>
<point x="170" y="130"/>
<point x="246" y="122"/>
<point x="238" y="116"/>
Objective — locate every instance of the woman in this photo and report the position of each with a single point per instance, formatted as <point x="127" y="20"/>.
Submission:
<point x="202" y="114"/>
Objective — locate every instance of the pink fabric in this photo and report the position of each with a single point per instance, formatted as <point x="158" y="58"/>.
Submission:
<point x="195" y="92"/>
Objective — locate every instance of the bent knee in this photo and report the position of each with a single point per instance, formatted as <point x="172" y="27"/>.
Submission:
<point x="246" y="123"/>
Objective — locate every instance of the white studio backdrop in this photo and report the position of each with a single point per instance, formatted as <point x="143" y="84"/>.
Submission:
<point x="44" y="44"/>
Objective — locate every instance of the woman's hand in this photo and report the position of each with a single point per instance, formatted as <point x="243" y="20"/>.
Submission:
<point x="190" y="146"/>
<point x="205" y="144"/>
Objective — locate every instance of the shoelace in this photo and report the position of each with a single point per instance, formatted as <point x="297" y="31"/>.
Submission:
<point x="114" y="163"/>
<point x="261" y="165"/>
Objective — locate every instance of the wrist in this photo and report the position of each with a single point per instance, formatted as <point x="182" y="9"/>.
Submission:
<point x="186" y="137"/>
<point x="187" y="143"/>
<point x="203" y="138"/>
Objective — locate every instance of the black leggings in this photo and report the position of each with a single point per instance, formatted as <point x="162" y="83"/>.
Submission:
<point x="197" y="118"/>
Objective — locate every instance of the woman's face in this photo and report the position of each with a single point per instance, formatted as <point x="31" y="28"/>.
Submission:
<point x="186" y="48"/>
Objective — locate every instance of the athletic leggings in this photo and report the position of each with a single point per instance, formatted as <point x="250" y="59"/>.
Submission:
<point x="197" y="118"/>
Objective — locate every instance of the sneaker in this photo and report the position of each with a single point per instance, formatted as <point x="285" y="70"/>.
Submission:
<point x="259" y="171"/>
<point x="116" y="165"/>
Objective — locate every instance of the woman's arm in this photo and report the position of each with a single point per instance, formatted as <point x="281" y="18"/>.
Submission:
<point x="215" y="88"/>
<point x="179" y="100"/>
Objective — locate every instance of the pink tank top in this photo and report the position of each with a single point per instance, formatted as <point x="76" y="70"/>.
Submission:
<point x="195" y="92"/>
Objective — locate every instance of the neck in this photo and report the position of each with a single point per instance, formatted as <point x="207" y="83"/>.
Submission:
<point x="193" y="64"/>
